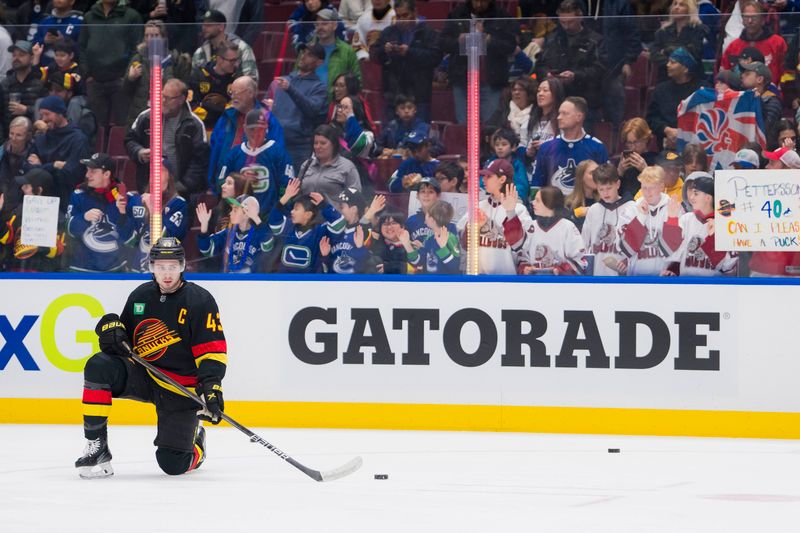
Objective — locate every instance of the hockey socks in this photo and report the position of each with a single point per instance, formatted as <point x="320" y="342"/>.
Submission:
<point x="96" y="408"/>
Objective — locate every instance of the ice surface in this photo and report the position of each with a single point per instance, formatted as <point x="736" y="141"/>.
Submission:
<point x="442" y="482"/>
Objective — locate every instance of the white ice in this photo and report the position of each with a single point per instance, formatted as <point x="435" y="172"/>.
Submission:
<point x="438" y="481"/>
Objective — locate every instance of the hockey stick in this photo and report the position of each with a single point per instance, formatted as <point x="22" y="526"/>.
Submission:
<point x="344" y="470"/>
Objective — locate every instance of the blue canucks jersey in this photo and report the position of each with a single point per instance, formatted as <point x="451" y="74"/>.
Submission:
<point x="300" y="247"/>
<point x="97" y="244"/>
<point x="175" y="221"/>
<point x="557" y="159"/>
<point x="271" y="164"/>
<point x="419" y="231"/>
<point x="345" y="256"/>
<point x="242" y="249"/>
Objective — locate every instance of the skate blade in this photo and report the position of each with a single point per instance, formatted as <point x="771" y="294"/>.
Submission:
<point x="96" y="472"/>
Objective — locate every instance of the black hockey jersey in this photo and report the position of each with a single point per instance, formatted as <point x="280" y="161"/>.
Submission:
<point x="180" y="333"/>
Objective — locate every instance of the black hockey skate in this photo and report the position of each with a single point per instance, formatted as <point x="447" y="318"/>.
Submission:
<point x="96" y="460"/>
<point x="200" y="447"/>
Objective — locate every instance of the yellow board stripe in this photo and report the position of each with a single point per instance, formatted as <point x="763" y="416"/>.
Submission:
<point x="587" y="420"/>
<point x="214" y="356"/>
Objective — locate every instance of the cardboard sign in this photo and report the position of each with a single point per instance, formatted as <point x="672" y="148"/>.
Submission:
<point x="39" y="220"/>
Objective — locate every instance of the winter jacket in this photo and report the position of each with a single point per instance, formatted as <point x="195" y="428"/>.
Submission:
<point x="584" y="55"/>
<point x="225" y="133"/>
<point x="301" y="25"/>
<point x="30" y="89"/>
<point x="499" y="49"/>
<point x="411" y="74"/>
<point x="191" y="148"/>
<point x="668" y="40"/>
<point x="108" y="42"/>
<point x="341" y="61"/>
<point x="663" y="109"/>
<point x="301" y="107"/>
<point x="138" y="90"/>
<point x="10" y="167"/>
<point x="80" y="115"/>
<point x="621" y="37"/>
<point x="773" y="47"/>
<point x="67" y="144"/>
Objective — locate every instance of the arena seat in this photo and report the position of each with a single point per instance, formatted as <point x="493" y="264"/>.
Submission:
<point x="116" y="142"/>
<point x="443" y="106"/>
<point x="454" y="139"/>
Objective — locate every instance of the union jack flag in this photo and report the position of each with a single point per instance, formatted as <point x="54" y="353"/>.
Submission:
<point x="720" y="124"/>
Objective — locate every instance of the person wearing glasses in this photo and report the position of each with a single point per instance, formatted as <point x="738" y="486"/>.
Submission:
<point x="211" y="82"/>
<point x="184" y="141"/>
<point x="213" y="34"/>
<point x="636" y="137"/>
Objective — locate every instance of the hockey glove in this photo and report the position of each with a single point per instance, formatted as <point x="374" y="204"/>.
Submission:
<point x="112" y="335"/>
<point x="211" y="392"/>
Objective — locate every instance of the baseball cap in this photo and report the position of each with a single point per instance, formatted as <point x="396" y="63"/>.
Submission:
<point x="500" y="167"/>
<point x="688" y="182"/>
<point x="214" y="15"/>
<point x="751" y="53"/>
<point x="37" y="177"/>
<point x="729" y="78"/>
<point x="25" y="46"/>
<point x="315" y="49"/>
<point x="428" y="180"/>
<point x="669" y="158"/>
<point x="787" y="156"/>
<point x="353" y="197"/>
<point x="746" y="159"/>
<point x="327" y="14"/>
<point x="244" y="200"/>
<point x="704" y="184"/>
<point x="760" y="69"/>
<point x="416" y="136"/>
<point x="255" y="117"/>
<point x="99" y="160"/>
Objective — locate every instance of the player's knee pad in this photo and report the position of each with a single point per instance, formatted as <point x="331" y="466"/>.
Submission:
<point x="103" y="368"/>
<point x="173" y="462"/>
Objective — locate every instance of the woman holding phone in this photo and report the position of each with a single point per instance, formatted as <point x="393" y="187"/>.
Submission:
<point x="636" y="136"/>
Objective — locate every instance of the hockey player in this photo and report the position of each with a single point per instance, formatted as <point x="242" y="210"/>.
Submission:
<point x="175" y="325"/>
<point x="552" y="244"/>
<point x="347" y="252"/>
<point x="241" y="242"/>
<point x="495" y="255"/>
<point x="651" y="236"/>
<point x="263" y="161"/>
<point x="300" y="232"/>
<point x="697" y="255"/>
<point x="602" y="223"/>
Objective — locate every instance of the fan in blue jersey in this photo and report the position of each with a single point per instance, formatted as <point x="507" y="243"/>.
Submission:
<point x="61" y="24"/>
<point x="558" y="158"/>
<point x="419" y="165"/>
<point x="428" y="192"/>
<point x="347" y="252"/>
<point x="242" y="242"/>
<point x="97" y="220"/>
<point x="175" y="221"/>
<point x="441" y="251"/>
<point x="263" y="161"/>
<point x="299" y="230"/>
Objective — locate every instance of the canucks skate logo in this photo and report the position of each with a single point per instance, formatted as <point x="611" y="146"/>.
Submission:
<point x="101" y="236"/>
<point x="261" y="174"/>
<point x="152" y="337"/>
<point x="564" y="177"/>
<point x="296" y="256"/>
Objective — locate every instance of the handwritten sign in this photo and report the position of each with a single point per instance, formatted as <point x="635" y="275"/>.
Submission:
<point x="757" y="210"/>
<point x="39" y="220"/>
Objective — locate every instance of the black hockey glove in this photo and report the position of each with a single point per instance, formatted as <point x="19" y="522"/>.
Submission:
<point x="112" y="335"/>
<point x="211" y="392"/>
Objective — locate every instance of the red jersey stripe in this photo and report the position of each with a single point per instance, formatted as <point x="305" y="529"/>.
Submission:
<point x="213" y="346"/>
<point x="96" y="396"/>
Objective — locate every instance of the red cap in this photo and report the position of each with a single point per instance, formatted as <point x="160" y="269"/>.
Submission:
<point x="501" y="167"/>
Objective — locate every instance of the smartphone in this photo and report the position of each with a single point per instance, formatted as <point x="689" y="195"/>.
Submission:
<point x="626" y="153"/>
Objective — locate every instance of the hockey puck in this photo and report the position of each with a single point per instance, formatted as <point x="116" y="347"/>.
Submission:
<point x="381" y="476"/>
<point x="613" y="450"/>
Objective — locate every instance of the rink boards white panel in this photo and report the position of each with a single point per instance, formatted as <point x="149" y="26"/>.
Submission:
<point x="731" y="366"/>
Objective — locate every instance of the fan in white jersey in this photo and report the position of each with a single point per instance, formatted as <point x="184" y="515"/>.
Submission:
<point x="697" y="255"/>
<point x="647" y="239"/>
<point x="495" y="254"/>
<point x="602" y="222"/>
<point x="552" y="244"/>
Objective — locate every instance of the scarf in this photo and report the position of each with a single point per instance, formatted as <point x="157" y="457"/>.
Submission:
<point x="110" y="193"/>
<point x="518" y="118"/>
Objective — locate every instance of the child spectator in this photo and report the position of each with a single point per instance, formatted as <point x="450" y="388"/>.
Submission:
<point x="583" y="195"/>
<point x="300" y="232"/>
<point x="450" y="176"/>
<point x="694" y="159"/>
<point x="697" y="255"/>
<point x="552" y="244"/>
<point x="261" y="160"/>
<point x="602" y="223"/>
<point x="64" y="62"/>
<point x="63" y="24"/>
<point x="242" y="242"/>
<point x="175" y="219"/>
<point x="420" y="164"/>
<point x="648" y="238"/>
<point x="440" y="252"/>
<point x="393" y="133"/>
<point x="234" y="186"/>
<point x="428" y="192"/>
<point x="21" y="257"/>
<point x="388" y="246"/>
<point x="495" y="255"/>
<point x="347" y="252"/>
<point x="504" y="145"/>
<point x="671" y="163"/>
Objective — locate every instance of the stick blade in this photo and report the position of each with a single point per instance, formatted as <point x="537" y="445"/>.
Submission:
<point x="344" y="470"/>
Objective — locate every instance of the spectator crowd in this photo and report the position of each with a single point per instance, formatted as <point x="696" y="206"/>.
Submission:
<point x="299" y="150"/>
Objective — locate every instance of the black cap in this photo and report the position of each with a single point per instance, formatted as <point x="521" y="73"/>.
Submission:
<point x="353" y="197"/>
<point x="704" y="184"/>
<point x="213" y="15"/>
<point x="315" y="49"/>
<point x="36" y="177"/>
<point x="751" y="53"/>
<point x="103" y="161"/>
<point x="427" y="180"/>
<point x="669" y="158"/>
<point x="255" y="117"/>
